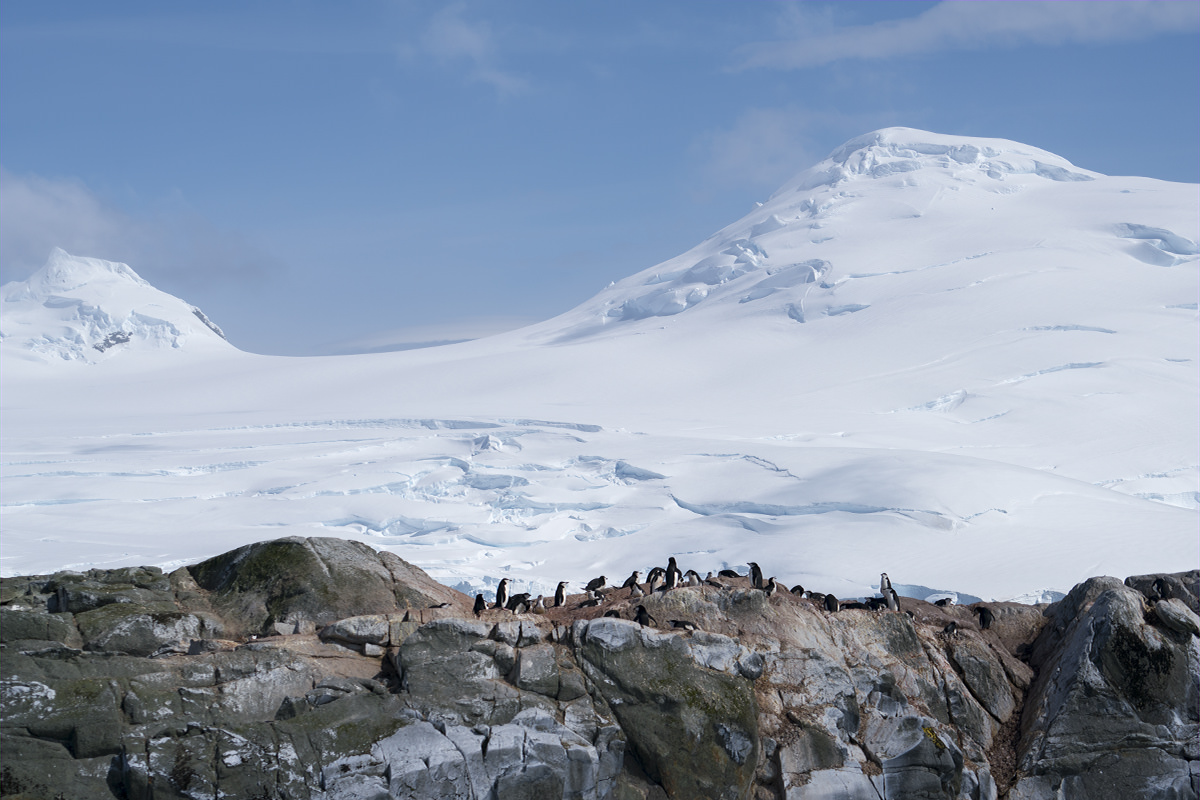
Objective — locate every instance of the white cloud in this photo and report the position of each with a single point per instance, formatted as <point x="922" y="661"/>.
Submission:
<point x="179" y="245"/>
<point x="968" y="26"/>
<point x="450" y="38"/>
<point x="762" y="147"/>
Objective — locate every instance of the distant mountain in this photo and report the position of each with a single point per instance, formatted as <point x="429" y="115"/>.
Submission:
<point x="836" y="239"/>
<point x="90" y="310"/>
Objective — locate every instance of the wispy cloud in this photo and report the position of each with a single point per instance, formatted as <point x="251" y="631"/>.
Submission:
<point x="814" y="41"/>
<point x="763" y="147"/>
<point x="451" y="38"/>
<point x="176" y="245"/>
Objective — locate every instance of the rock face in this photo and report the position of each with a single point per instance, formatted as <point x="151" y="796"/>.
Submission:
<point x="317" y="668"/>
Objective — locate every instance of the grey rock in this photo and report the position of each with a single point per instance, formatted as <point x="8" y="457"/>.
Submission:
<point x="316" y="580"/>
<point x="1177" y="616"/>
<point x="689" y="725"/>
<point x="1109" y="685"/>
<point x="769" y="698"/>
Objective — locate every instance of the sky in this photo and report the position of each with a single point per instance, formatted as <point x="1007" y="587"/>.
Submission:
<point x="323" y="178"/>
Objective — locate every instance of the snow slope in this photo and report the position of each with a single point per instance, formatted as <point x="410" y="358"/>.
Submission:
<point x="89" y="310"/>
<point x="963" y="361"/>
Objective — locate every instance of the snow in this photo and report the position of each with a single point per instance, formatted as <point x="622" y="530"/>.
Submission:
<point x="965" y="362"/>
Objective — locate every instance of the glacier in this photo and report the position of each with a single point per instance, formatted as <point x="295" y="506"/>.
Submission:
<point x="965" y="362"/>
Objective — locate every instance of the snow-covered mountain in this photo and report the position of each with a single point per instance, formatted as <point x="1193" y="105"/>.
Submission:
<point x="965" y="362"/>
<point x="89" y="310"/>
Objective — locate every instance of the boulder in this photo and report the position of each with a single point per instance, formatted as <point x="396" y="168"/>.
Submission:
<point x="316" y="581"/>
<point x="1115" y="711"/>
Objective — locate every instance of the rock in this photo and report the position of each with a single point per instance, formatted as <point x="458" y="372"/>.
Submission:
<point x="694" y="729"/>
<point x="316" y="581"/>
<point x="1182" y="586"/>
<point x="148" y="689"/>
<point x="1114" y="708"/>
<point x="1177" y="616"/>
<point x="27" y="624"/>
<point x="984" y="676"/>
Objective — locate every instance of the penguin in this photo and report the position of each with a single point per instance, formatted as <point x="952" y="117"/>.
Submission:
<point x="1162" y="589"/>
<point x="632" y="580"/>
<point x="560" y="594"/>
<point x="656" y="573"/>
<point x="672" y="580"/>
<point x="944" y="602"/>
<point x="692" y="578"/>
<point x="591" y="602"/>
<point x="502" y="594"/>
<point x="672" y="567"/>
<point x="539" y="605"/>
<point x="876" y="603"/>
<point x="816" y="597"/>
<point x="831" y="603"/>
<point x="654" y="583"/>
<point x="892" y="599"/>
<point x="642" y="616"/>
<point x="771" y="587"/>
<point x="440" y="605"/>
<point x="728" y="573"/>
<point x="755" y="576"/>
<point x="683" y="624"/>
<point x="950" y="629"/>
<point x="517" y="600"/>
<point x="636" y="591"/>
<point x="711" y="581"/>
<point x="885" y="583"/>
<point x="480" y="604"/>
<point x="985" y="616"/>
<point x="612" y="612"/>
<point x="798" y="590"/>
<point x="595" y="583"/>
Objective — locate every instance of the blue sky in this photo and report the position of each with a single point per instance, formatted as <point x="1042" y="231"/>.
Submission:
<point x="320" y="177"/>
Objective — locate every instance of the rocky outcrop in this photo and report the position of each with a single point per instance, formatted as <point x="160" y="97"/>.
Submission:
<point x="319" y="669"/>
<point x="1115" y="711"/>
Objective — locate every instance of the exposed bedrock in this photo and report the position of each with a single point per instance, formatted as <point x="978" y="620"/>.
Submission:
<point x="319" y="669"/>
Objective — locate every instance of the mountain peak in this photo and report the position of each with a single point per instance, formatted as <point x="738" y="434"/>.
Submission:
<point x="88" y="309"/>
<point x="64" y="272"/>
<point x="893" y="151"/>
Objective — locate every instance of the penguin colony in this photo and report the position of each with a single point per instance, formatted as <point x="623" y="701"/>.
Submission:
<point x="664" y="579"/>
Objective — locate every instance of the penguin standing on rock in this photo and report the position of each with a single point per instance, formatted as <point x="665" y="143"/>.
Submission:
<point x="632" y="580"/>
<point x="885" y="583"/>
<point x="771" y="587"/>
<point x="985" y="616"/>
<point x="672" y="580"/>
<point x="595" y="584"/>
<point x="672" y="567"/>
<point x="560" y="594"/>
<point x="892" y="599"/>
<point x="756" y="579"/>
<point x="636" y="591"/>
<point x="831" y="603"/>
<point x="798" y="590"/>
<point x="642" y="617"/>
<point x="480" y="604"/>
<point x="502" y="594"/>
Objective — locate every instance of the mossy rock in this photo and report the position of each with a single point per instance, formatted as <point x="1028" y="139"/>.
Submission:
<point x="694" y="730"/>
<point x="318" y="580"/>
